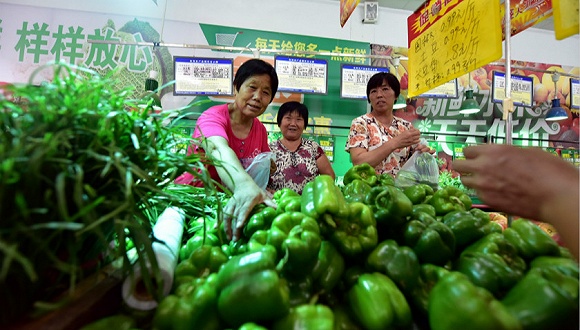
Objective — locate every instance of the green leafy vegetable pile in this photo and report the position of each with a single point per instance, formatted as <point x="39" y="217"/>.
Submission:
<point x="81" y="166"/>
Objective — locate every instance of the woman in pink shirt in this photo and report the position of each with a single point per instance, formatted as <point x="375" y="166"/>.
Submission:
<point x="234" y="137"/>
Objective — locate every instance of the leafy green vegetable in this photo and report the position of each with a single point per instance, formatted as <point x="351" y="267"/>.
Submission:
<point x="81" y="166"/>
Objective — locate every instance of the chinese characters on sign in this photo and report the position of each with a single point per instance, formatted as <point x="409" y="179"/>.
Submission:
<point x="67" y="45"/>
<point x="450" y="38"/>
<point x="521" y="91"/>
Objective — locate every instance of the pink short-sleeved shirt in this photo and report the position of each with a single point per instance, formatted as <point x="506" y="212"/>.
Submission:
<point x="215" y="121"/>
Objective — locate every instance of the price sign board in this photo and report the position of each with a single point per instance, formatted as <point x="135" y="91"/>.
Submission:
<point x="521" y="91"/>
<point x="301" y="75"/>
<point x="354" y="78"/>
<point x="203" y="76"/>
<point x="575" y="93"/>
<point x="450" y="38"/>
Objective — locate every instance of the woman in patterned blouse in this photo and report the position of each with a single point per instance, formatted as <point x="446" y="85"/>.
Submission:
<point x="298" y="160"/>
<point x="379" y="138"/>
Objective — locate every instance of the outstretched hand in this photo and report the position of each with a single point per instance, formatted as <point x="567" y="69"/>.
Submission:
<point x="238" y="208"/>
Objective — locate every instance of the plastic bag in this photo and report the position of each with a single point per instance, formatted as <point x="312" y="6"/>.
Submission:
<point x="259" y="169"/>
<point x="420" y="168"/>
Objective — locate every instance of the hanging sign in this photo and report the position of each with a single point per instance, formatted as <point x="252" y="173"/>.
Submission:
<point x="565" y="18"/>
<point x="346" y="9"/>
<point x="521" y="91"/>
<point x="450" y="38"/>
<point x="525" y="14"/>
<point x="574" y="93"/>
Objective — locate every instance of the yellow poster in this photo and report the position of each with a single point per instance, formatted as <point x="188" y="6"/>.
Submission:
<point x="565" y="18"/>
<point x="451" y="38"/>
<point x="346" y="9"/>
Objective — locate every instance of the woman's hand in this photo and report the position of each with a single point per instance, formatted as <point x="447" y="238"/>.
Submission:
<point x="237" y="210"/>
<point x="424" y="148"/>
<point x="245" y="193"/>
<point x="528" y="182"/>
<point x="408" y="138"/>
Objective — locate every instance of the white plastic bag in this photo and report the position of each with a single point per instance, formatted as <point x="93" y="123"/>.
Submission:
<point x="259" y="169"/>
<point x="420" y="168"/>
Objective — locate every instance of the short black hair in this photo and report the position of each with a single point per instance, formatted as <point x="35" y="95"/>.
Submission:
<point x="377" y="80"/>
<point x="290" y="107"/>
<point x="254" y="67"/>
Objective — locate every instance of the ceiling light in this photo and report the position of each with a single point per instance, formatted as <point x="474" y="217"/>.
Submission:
<point x="469" y="105"/>
<point x="556" y="112"/>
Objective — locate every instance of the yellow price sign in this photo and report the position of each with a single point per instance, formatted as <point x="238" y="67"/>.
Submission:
<point x="450" y="38"/>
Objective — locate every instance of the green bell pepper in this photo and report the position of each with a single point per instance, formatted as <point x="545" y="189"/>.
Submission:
<point x="301" y="291"/>
<point x="456" y="303"/>
<point x="350" y="277"/>
<point x="319" y="317"/>
<point x="544" y="299"/>
<point x="429" y="275"/>
<point x="259" y="241"/>
<point x="356" y="191"/>
<point x="399" y="263"/>
<point x="433" y="242"/>
<point x="385" y="179"/>
<point x="356" y="233"/>
<point x="390" y="205"/>
<point x="201" y="263"/>
<point x="449" y="199"/>
<point x="377" y="303"/>
<point x="196" y="241"/>
<point x="250" y="289"/>
<point x="297" y="240"/>
<point x="466" y="227"/>
<point x="198" y="310"/>
<point x="290" y="204"/>
<point x="364" y="172"/>
<point x="260" y="221"/>
<point x="245" y="264"/>
<point x="497" y="243"/>
<point x="423" y="208"/>
<point x="530" y="240"/>
<point x="343" y="320"/>
<point x="284" y="193"/>
<point x="328" y="269"/>
<point x="117" y="322"/>
<point x="417" y="193"/>
<point x="563" y="265"/>
<point x="251" y="326"/>
<point x="489" y="271"/>
<point x="322" y="196"/>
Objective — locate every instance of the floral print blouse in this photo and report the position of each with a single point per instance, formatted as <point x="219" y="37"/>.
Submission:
<point x="294" y="169"/>
<point x="367" y="132"/>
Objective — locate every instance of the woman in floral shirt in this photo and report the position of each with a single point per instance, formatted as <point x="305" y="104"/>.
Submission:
<point x="379" y="138"/>
<point x="298" y="160"/>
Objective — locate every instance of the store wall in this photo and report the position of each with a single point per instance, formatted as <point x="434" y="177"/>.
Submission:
<point x="308" y="17"/>
<point x="317" y="21"/>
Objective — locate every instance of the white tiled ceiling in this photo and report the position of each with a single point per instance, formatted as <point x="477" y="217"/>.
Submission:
<point x="412" y="5"/>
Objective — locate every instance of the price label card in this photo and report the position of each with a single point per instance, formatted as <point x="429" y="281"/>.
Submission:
<point x="575" y="93"/>
<point x="301" y="75"/>
<point x="450" y="38"/>
<point x="327" y="144"/>
<point x="521" y="91"/>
